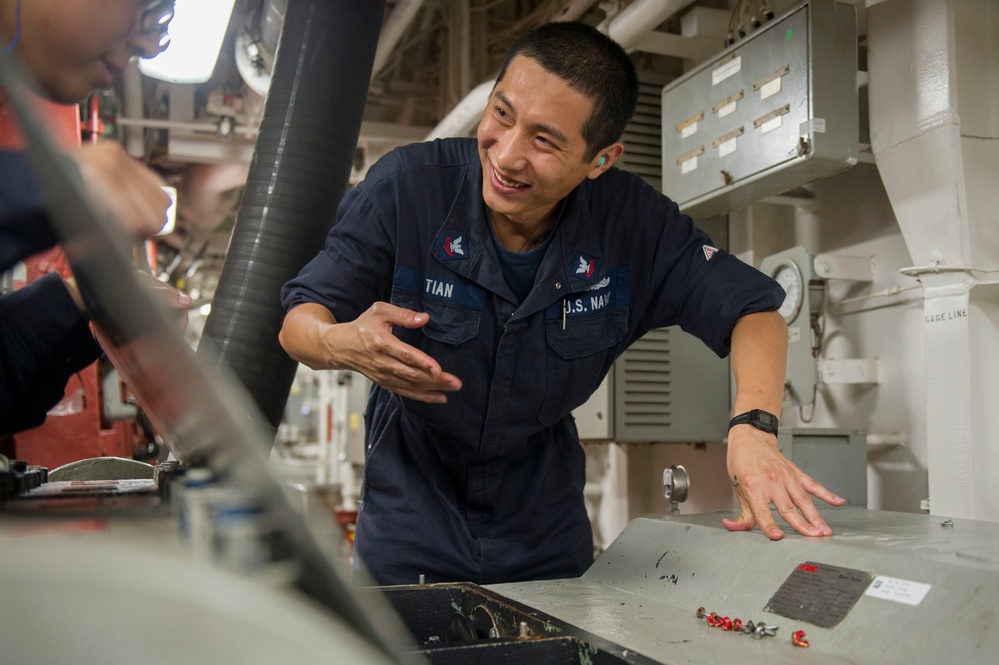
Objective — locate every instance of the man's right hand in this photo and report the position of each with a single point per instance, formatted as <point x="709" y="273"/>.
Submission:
<point x="127" y="189"/>
<point x="312" y="336"/>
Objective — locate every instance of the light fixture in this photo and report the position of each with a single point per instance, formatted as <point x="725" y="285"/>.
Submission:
<point x="196" y="33"/>
<point x="171" y="213"/>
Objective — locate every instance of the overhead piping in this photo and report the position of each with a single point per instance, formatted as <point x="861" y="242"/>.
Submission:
<point x="628" y="29"/>
<point x="395" y="26"/>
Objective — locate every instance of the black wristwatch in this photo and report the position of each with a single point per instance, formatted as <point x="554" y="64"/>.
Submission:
<point x="758" y="418"/>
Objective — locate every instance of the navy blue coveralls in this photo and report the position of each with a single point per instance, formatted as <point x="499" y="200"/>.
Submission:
<point x="489" y="486"/>
<point x="44" y="338"/>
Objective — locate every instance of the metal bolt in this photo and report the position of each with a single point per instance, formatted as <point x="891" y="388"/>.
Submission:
<point x="699" y="613"/>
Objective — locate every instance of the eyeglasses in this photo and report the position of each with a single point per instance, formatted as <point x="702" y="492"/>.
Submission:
<point x="155" y="20"/>
<point x="156" y="17"/>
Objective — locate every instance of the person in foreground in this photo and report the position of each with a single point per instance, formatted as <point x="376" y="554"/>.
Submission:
<point x="70" y="49"/>
<point x="486" y="286"/>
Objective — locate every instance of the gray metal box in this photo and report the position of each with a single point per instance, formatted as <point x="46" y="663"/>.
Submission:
<point x="771" y="112"/>
<point x="837" y="458"/>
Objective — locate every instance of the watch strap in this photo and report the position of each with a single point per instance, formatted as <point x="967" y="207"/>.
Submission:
<point x="758" y="418"/>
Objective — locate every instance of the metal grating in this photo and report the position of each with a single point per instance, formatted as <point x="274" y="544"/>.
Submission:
<point x="646" y="382"/>
<point x="643" y="151"/>
<point x="668" y="386"/>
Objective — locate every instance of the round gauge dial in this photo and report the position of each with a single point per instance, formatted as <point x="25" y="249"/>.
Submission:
<point x="788" y="276"/>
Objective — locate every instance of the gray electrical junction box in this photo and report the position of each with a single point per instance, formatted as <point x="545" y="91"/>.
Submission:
<point x="773" y="111"/>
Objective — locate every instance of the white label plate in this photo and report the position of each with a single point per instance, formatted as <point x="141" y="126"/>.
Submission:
<point x="728" y="70"/>
<point x="897" y="590"/>
<point x="770" y="89"/>
<point x="728" y="147"/>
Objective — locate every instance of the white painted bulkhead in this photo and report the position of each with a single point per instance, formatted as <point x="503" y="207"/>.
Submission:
<point x="927" y="195"/>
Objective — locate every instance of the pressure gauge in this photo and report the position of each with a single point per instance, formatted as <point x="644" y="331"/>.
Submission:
<point x="788" y="275"/>
<point x="803" y="303"/>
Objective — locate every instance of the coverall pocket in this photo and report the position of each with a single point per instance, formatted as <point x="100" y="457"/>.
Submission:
<point x="448" y="337"/>
<point x="579" y="354"/>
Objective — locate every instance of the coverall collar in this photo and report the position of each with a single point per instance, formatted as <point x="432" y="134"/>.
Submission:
<point x="573" y="262"/>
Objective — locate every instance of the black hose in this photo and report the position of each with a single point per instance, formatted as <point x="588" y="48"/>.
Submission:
<point x="300" y="170"/>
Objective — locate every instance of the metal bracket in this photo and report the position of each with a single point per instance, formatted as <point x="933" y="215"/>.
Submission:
<point x="853" y="268"/>
<point x="850" y="370"/>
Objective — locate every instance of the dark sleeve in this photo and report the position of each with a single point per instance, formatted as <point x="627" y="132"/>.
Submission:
<point x="44" y="340"/>
<point x="729" y="291"/>
<point x="24" y="225"/>
<point x="705" y="289"/>
<point x="354" y="269"/>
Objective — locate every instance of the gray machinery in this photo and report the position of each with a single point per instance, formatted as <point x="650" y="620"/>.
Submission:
<point x="885" y="588"/>
<point x="772" y="112"/>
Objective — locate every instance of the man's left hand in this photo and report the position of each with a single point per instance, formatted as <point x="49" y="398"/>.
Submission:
<point x="763" y="476"/>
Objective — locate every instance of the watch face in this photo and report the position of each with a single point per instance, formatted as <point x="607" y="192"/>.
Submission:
<point x="767" y="419"/>
<point x="789" y="278"/>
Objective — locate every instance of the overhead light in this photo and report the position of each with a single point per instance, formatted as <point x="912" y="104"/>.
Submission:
<point x="171" y="213"/>
<point x="196" y="33"/>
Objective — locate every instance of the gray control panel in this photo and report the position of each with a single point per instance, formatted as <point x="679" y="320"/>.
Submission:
<point x="773" y="111"/>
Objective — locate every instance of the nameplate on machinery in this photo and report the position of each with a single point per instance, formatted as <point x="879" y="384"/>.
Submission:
<point x="819" y="594"/>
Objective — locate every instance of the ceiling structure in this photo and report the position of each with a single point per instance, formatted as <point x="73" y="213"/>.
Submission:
<point x="431" y="55"/>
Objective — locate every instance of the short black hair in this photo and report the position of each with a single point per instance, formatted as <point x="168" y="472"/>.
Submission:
<point x="591" y="63"/>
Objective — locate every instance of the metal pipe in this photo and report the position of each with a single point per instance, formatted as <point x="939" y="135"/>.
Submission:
<point x="135" y="144"/>
<point x="395" y="26"/>
<point x="640" y="18"/>
<point x="574" y="10"/>
<point x="202" y="127"/>
<point x="627" y="28"/>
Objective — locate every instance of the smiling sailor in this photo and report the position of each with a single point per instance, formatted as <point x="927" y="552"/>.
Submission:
<point x="487" y="285"/>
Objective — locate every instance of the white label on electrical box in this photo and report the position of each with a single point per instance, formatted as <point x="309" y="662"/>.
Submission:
<point x="728" y="147"/>
<point x="689" y="130"/>
<point x="771" y="124"/>
<point x="793" y="334"/>
<point x="728" y="109"/>
<point x="688" y="165"/>
<point x="815" y="125"/>
<point x="770" y="89"/>
<point x="729" y="69"/>
<point x="898" y="591"/>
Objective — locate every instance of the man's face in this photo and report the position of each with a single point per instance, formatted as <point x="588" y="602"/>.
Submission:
<point x="531" y="143"/>
<point x="75" y="46"/>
